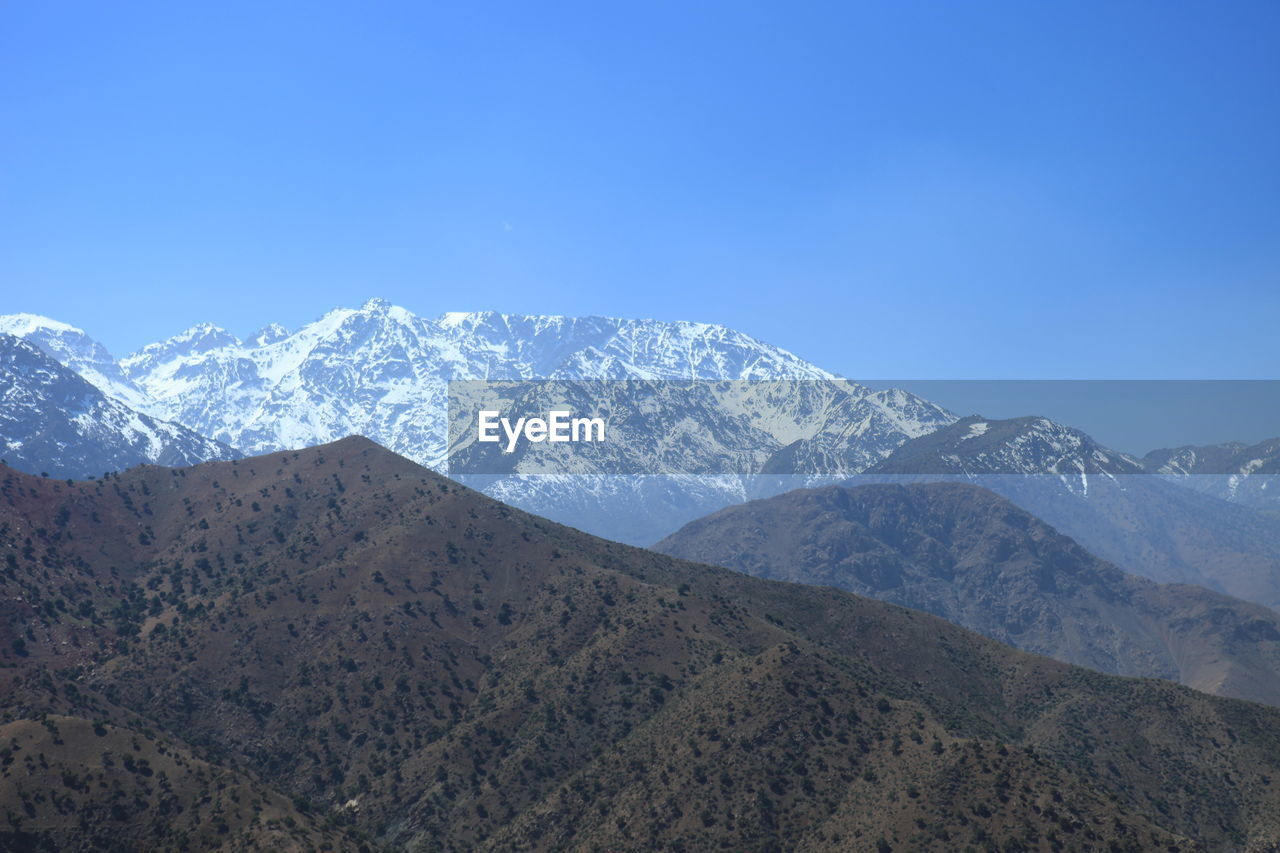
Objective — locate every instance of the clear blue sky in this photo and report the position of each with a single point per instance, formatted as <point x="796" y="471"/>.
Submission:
<point x="959" y="189"/>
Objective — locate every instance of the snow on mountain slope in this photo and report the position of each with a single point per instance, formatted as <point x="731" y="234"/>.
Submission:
<point x="678" y="427"/>
<point x="1234" y="471"/>
<point x="1031" y="445"/>
<point x="74" y="349"/>
<point x="382" y="371"/>
<point x="53" y="421"/>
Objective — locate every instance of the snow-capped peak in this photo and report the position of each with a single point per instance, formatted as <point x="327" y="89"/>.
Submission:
<point x="206" y="336"/>
<point x="382" y="371"/>
<point x="52" y="419"/>
<point x="453" y="319"/>
<point x="23" y="325"/>
<point x="267" y="335"/>
<point x="1031" y="445"/>
<point x="73" y="348"/>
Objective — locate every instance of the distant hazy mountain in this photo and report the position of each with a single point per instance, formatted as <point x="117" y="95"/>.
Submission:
<point x="383" y="372"/>
<point x="710" y="427"/>
<point x="1028" y="445"/>
<point x="964" y="553"/>
<point x="1143" y="523"/>
<point x="53" y="421"/>
<point x="1247" y="474"/>
<point x="679" y="450"/>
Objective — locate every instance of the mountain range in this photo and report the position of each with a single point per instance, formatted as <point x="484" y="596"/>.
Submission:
<point x="1146" y="524"/>
<point x="54" y="422"/>
<point x="337" y="646"/>
<point x="383" y="372"/>
<point x="1234" y="471"/>
<point x="961" y="552"/>
<point x="677" y="449"/>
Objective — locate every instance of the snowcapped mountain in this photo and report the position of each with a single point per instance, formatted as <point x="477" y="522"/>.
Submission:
<point x="1029" y="445"/>
<point x="1232" y="457"/>
<point x="53" y="421"/>
<point x="1234" y="471"/>
<point x="678" y="450"/>
<point x="382" y="372"/>
<point x="74" y="349"/>
<point x="715" y="427"/>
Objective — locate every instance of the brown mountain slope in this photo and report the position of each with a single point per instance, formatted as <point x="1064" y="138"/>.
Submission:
<point x="449" y="673"/>
<point x="72" y="784"/>
<point x="964" y="553"/>
<point x="77" y="774"/>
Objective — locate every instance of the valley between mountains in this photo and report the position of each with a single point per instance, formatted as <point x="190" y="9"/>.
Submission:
<point x="335" y="646"/>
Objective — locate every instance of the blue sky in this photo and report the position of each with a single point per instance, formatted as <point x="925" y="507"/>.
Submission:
<point x="935" y="190"/>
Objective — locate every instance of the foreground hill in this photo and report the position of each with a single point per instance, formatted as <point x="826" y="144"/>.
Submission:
<point x="388" y="650"/>
<point x="73" y="783"/>
<point x="965" y="554"/>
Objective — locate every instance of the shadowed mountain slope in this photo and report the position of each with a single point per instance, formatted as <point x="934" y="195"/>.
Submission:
<point x="53" y="421"/>
<point x="965" y="554"/>
<point x="1143" y="523"/>
<point x="389" y="649"/>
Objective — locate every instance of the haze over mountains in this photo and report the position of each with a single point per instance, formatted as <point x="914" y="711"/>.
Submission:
<point x="1234" y="471"/>
<point x="1145" y="524"/>
<point x="963" y="553"/>
<point x="678" y="449"/>
<point x="386" y="652"/>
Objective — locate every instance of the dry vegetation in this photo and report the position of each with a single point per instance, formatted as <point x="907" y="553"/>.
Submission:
<point x="364" y="653"/>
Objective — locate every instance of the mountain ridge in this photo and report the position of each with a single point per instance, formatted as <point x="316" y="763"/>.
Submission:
<point x="446" y="672"/>
<point x="1108" y="503"/>
<point x="1234" y="471"/>
<point x="965" y="554"/>
<point x="54" y="421"/>
<point x="382" y="371"/>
